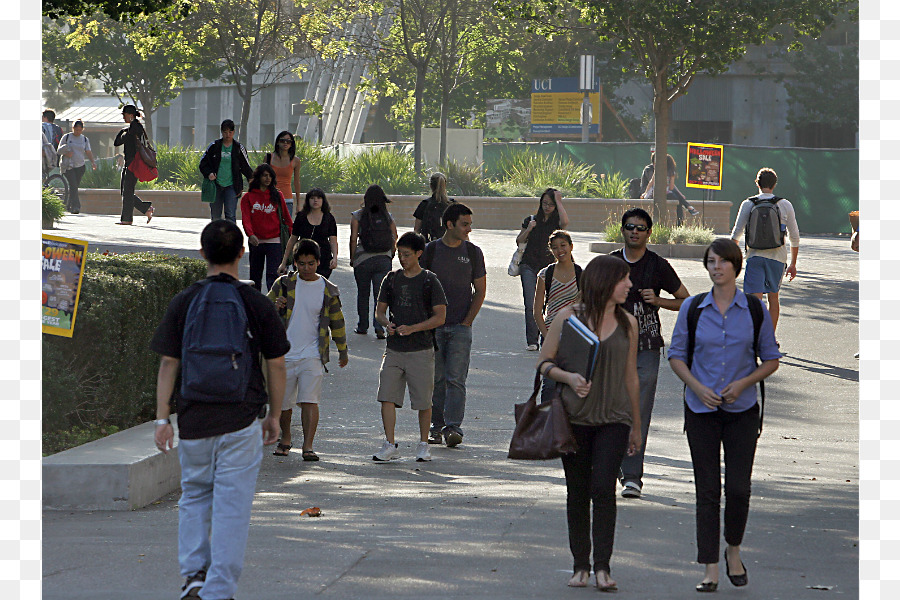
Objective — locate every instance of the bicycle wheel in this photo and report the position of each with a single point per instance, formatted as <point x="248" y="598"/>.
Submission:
<point x="59" y="185"/>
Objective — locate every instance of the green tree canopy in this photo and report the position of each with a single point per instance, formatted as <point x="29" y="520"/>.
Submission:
<point x="118" y="10"/>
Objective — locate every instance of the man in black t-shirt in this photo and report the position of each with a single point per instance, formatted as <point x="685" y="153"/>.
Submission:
<point x="417" y="305"/>
<point x="220" y="447"/>
<point x="650" y="273"/>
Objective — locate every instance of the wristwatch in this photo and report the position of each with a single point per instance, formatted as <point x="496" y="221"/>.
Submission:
<point x="163" y="422"/>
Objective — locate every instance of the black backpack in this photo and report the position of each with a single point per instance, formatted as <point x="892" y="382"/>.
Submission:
<point x="375" y="231"/>
<point x="756" y="313"/>
<point x="633" y="188"/>
<point x="763" y="231"/>
<point x="432" y="220"/>
<point x="548" y="277"/>
<point x="216" y="361"/>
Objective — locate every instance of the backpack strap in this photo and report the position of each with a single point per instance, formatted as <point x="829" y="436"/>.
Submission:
<point x="268" y="159"/>
<point x="756" y="313"/>
<point x="470" y="250"/>
<point x="693" y="316"/>
<point x="428" y="256"/>
<point x="548" y="278"/>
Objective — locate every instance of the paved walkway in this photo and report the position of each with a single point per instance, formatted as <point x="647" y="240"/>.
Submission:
<point x="472" y="524"/>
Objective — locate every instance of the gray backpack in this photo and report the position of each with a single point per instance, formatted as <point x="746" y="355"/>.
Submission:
<point x="764" y="230"/>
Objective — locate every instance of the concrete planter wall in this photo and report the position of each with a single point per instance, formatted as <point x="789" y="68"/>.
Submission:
<point x="585" y="214"/>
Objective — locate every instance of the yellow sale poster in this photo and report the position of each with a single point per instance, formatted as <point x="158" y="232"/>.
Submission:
<point x="62" y="267"/>
<point x="704" y="166"/>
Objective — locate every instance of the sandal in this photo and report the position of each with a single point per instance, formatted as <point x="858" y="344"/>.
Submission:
<point x="310" y="455"/>
<point x="609" y="586"/>
<point x="150" y="212"/>
<point x="282" y="450"/>
<point x="580" y="579"/>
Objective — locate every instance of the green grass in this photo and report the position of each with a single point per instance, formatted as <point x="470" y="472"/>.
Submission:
<point x="524" y="173"/>
<point x="392" y="170"/>
<point x="663" y="234"/>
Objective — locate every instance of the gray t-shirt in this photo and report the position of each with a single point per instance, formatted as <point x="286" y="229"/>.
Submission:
<point x="411" y="300"/>
<point x="78" y="145"/>
<point x="456" y="272"/>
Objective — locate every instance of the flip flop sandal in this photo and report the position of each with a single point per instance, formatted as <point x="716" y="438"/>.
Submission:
<point x="283" y="450"/>
<point x="310" y="455"/>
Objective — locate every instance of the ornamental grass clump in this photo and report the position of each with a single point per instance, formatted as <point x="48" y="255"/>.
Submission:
<point x="464" y="179"/>
<point x="52" y="207"/>
<point x="525" y="173"/>
<point x="394" y="171"/>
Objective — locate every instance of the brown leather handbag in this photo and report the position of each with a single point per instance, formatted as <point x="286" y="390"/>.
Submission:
<point x="542" y="430"/>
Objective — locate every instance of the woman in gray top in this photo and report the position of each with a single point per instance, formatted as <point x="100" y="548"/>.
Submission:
<point x="602" y="411"/>
<point x="74" y="148"/>
<point x="373" y="235"/>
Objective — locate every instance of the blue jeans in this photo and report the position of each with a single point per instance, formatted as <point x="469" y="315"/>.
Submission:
<point x="451" y="367"/>
<point x="225" y="197"/>
<point x="529" y="281"/>
<point x="218" y="481"/>
<point x="648" y="372"/>
<point x="270" y="255"/>
<point x="369" y="273"/>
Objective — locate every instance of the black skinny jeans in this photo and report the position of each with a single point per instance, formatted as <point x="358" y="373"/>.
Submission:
<point x="591" y="477"/>
<point x="73" y="176"/>
<point x="129" y="200"/>
<point x="737" y="434"/>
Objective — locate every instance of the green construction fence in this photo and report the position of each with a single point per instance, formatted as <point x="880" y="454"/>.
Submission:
<point x="822" y="184"/>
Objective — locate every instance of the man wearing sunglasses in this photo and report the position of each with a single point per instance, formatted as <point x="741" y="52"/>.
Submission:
<point x="650" y="274"/>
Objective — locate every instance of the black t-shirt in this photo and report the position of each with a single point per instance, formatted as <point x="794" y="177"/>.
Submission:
<point x="320" y="233"/>
<point x="651" y="271"/>
<point x="457" y="269"/>
<point x="537" y="251"/>
<point x="410" y="304"/>
<point x="204" y="419"/>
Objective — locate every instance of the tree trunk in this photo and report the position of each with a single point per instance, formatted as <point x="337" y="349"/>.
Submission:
<point x="445" y="108"/>
<point x="417" y="119"/>
<point x="246" y="98"/>
<point x="660" y="169"/>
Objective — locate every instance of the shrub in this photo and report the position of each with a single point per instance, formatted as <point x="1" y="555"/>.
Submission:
<point x="529" y="174"/>
<point x="52" y="207"/>
<point x="660" y="234"/>
<point x="319" y="167"/>
<point x="392" y="170"/>
<point x="105" y="374"/>
<point x="611" y="185"/>
<point x="692" y="234"/>
<point x="106" y="177"/>
<point x="178" y="165"/>
<point x="464" y="179"/>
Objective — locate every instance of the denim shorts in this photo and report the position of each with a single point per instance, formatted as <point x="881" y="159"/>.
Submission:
<point x="763" y="275"/>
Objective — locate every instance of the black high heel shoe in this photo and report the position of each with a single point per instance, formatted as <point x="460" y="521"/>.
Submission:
<point x="736" y="580"/>
<point x="707" y="586"/>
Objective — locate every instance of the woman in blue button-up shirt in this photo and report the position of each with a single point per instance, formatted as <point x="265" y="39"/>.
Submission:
<point x="721" y="406"/>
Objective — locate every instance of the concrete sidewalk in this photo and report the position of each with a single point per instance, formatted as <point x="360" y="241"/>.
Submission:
<point x="473" y="524"/>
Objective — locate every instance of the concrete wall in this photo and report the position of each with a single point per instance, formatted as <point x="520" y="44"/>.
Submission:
<point x="585" y="214"/>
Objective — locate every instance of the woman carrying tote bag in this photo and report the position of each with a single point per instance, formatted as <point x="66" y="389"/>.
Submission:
<point x="604" y="413"/>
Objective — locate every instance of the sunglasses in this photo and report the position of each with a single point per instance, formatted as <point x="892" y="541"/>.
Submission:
<point x="632" y="227"/>
<point x="285" y="140"/>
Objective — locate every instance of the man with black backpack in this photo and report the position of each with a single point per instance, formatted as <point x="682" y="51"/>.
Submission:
<point x="210" y="340"/>
<point x="764" y="220"/>
<point x="650" y="274"/>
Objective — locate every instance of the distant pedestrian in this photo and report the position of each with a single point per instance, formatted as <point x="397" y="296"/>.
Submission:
<point x="53" y="131"/>
<point x="310" y="306"/>
<point x="130" y="137"/>
<point x="224" y="162"/>
<point x="459" y="265"/>
<point x="74" y="147"/>
<point x="222" y="420"/>
<point x="765" y="241"/>
<point x="536" y="229"/>
<point x="604" y="413"/>
<point x="650" y="274"/>
<point x="558" y="287"/>
<point x="263" y="211"/>
<point x="373" y="234"/>
<point x="314" y="221"/>
<point x="430" y="210"/>
<point x="287" y="168"/>
<point x="648" y="181"/>
<point x="416" y="303"/>
<point x="720" y="373"/>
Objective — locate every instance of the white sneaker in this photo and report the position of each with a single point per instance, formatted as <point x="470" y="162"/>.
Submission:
<point x="631" y="490"/>
<point x="423" y="452"/>
<point x="388" y="452"/>
<point x="532" y="347"/>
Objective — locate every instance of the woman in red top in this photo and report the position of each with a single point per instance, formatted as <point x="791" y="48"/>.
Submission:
<point x="260" y="217"/>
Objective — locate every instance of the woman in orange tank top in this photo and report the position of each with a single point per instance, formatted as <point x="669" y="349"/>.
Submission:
<point x="286" y="167"/>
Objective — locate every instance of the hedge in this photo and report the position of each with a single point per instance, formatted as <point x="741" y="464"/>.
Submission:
<point x="104" y="376"/>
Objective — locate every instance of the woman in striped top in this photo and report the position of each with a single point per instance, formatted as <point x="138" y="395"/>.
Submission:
<point x="564" y="289"/>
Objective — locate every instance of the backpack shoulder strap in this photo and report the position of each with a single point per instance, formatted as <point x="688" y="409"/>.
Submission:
<point x="756" y="313"/>
<point x="472" y="251"/>
<point x="693" y="316"/>
<point x="268" y="158"/>
<point x="428" y="255"/>
<point x="548" y="278"/>
<point x="578" y="276"/>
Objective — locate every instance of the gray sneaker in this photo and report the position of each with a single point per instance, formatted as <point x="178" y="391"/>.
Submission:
<point x="388" y="452"/>
<point x="632" y="489"/>
<point x="423" y="452"/>
<point x="454" y="438"/>
<point x="193" y="584"/>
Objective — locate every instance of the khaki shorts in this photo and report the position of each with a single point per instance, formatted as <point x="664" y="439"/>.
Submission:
<point x="400" y="370"/>
<point x="304" y="382"/>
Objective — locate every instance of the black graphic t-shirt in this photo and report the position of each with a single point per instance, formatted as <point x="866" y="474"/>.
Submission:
<point x="651" y="271"/>
<point x="410" y="303"/>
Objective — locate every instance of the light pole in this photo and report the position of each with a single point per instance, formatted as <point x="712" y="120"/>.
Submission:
<point x="586" y="85"/>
